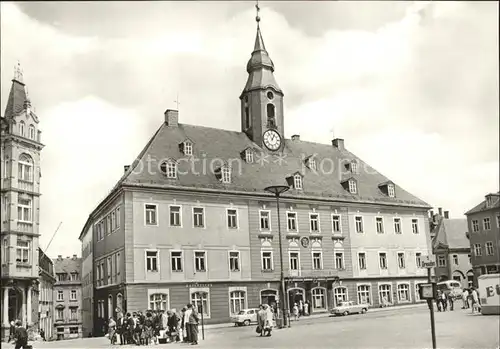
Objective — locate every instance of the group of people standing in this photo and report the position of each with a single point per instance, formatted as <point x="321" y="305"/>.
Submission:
<point x="147" y="328"/>
<point x="299" y="309"/>
<point x="470" y="299"/>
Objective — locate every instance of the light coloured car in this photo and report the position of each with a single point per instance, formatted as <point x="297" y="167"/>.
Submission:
<point x="346" y="308"/>
<point x="245" y="317"/>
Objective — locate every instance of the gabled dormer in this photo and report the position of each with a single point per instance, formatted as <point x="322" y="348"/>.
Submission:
<point x="310" y="162"/>
<point x="186" y="147"/>
<point x="223" y="173"/>
<point x="350" y="184"/>
<point x="169" y="168"/>
<point x="388" y="188"/>
<point x="296" y="181"/>
<point x="352" y="166"/>
<point x="248" y="155"/>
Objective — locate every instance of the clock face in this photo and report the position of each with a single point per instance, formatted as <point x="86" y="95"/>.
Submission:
<point x="272" y="140"/>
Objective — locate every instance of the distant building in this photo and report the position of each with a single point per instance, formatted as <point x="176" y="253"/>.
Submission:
<point x="484" y="235"/>
<point x="45" y="307"/>
<point x="87" y="282"/>
<point x="20" y="201"/>
<point x="451" y="248"/>
<point x="68" y="297"/>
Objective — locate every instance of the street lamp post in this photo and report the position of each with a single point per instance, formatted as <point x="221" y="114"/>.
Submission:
<point x="277" y="190"/>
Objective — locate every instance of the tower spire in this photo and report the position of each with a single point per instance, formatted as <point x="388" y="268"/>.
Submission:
<point x="257" y="17"/>
<point x="18" y="72"/>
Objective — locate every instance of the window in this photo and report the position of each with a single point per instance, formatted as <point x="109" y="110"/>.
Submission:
<point x="113" y="220"/>
<point x="21" y="128"/>
<point x="25" y="168"/>
<point x="232" y="218"/>
<point x="24" y="210"/>
<point x="418" y="259"/>
<point x="73" y="330"/>
<point x="176" y="259"/>
<point x="291" y="221"/>
<point x="199" y="261"/>
<point x="336" y="223"/>
<point x="198" y="217"/>
<point x="317" y="258"/>
<point x="382" y="257"/>
<point x="267" y="260"/>
<point x="234" y="261"/>
<point x="477" y="250"/>
<point x="60" y="314"/>
<point x="188" y="148"/>
<point x="385" y="294"/>
<point x="151" y="214"/>
<point x="152" y="261"/>
<point x="297" y="182"/>
<point x="118" y="263"/>
<point x="102" y="273"/>
<point x="169" y="168"/>
<point x="486" y="223"/>
<point x="354" y="166"/>
<point x="23" y="251"/>
<point x="264" y="220"/>
<point x="401" y="260"/>
<point x="353" y="187"/>
<point x="441" y="261"/>
<point x="468" y="256"/>
<point x="158" y="301"/>
<point x="72" y="295"/>
<point x="311" y="163"/>
<point x="364" y="294"/>
<point x="5" y="251"/>
<point x="391" y="191"/>
<point x="318" y="298"/>
<point x="200" y="299"/>
<point x="397" y="225"/>
<point x="403" y="293"/>
<point x="225" y="174"/>
<point x="61" y="276"/>
<point x="118" y="217"/>
<point x="489" y="248"/>
<point x="380" y="225"/>
<point x="339" y="260"/>
<point x="175" y="216"/>
<point x="359" y="224"/>
<point x="31" y="132"/>
<point x="498" y="221"/>
<point x="119" y="301"/>
<point x="314" y="222"/>
<point x="73" y="314"/>
<point x="340" y="295"/>
<point x="237" y="301"/>
<point x="414" y="226"/>
<point x="109" y="270"/>
<point x="294" y="261"/>
<point x="248" y="154"/>
<point x="455" y="259"/>
<point x="475" y="225"/>
<point x="362" y="260"/>
<point x="60" y="295"/>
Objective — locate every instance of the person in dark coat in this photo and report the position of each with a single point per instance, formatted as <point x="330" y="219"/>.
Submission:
<point x="21" y="336"/>
<point x="193" y="320"/>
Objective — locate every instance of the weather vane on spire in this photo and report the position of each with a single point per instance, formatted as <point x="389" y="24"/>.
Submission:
<point x="257" y="18"/>
<point x="18" y="73"/>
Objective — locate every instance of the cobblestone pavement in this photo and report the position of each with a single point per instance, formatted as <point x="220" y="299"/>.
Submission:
<point x="398" y="328"/>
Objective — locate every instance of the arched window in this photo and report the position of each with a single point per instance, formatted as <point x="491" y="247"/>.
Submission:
<point x="271" y="122"/>
<point x="25" y="168"/>
<point x="199" y="299"/>
<point x="31" y="132"/>
<point x="158" y="301"/>
<point x="110" y="306"/>
<point x="340" y="295"/>
<point x="22" y="127"/>
<point x="318" y="298"/>
<point x="237" y="301"/>
<point x="119" y="301"/>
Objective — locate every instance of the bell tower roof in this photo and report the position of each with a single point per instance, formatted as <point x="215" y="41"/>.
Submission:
<point x="17" y="96"/>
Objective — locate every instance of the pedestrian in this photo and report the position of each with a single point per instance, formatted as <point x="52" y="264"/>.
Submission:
<point x="20" y="335"/>
<point x="42" y="334"/>
<point x="193" y="321"/>
<point x="465" y="299"/>
<point x="269" y="322"/>
<point x="451" y="300"/>
<point x="130" y="329"/>
<point x="120" y="328"/>
<point x="475" y="300"/>
<point x="187" y="313"/>
<point x="12" y="331"/>
<point x="306" y="308"/>
<point x="438" y="301"/>
<point x="444" y="302"/>
<point x="295" y="312"/>
<point x="301" y="308"/>
<point x="261" y="320"/>
<point x="112" y="330"/>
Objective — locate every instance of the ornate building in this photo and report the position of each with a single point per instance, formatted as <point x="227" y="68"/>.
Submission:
<point x="20" y="195"/>
<point x="45" y="307"/>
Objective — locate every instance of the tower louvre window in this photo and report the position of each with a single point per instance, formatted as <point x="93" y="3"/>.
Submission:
<point x="271" y="121"/>
<point x="247" y="117"/>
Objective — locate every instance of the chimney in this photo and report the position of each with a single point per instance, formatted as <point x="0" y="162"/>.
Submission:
<point x="67" y="257"/>
<point x="59" y="257"/>
<point x="125" y="168"/>
<point x="440" y="210"/>
<point x="296" y="138"/>
<point x="338" y="143"/>
<point x="172" y="117"/>
<point x="446" y="214"/>
<point x="74" y="256"/>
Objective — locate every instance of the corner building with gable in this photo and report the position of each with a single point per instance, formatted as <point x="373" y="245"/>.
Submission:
<point x="198" y="227"/>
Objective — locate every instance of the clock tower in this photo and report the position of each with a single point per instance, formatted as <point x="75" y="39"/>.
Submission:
<point x="262" y="99"/>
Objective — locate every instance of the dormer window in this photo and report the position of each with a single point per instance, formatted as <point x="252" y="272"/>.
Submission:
<point x="226" y="174"/>
<point x="354" y="166"/>
<point x="297" y="182"/>
<point x="186" y="147"/>
<point x="248" y="155"/>
<point x="353" y="188"/>
<point x="169" y="168"/>
<point x="311" y="163"/>
<point x="390" y="190"/>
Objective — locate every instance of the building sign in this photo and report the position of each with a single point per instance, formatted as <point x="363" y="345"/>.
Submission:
<point x="304" y="242"/>
<point x="197" y="285"/>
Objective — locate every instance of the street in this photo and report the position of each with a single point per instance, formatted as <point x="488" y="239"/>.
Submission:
<point x="398" y="328"/>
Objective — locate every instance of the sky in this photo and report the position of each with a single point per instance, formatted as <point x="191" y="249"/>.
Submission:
<point x="412" y="88"/>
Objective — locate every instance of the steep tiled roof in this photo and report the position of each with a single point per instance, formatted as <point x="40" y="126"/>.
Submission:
<point x="67" y="265"/>
<point x="15" y="102"/>
<point x="451" y="233"/>
<point x="483" y="207"/>
<point x="213" y="145"/>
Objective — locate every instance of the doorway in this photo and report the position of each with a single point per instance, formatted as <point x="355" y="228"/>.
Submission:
<point x="268" y="297"/>
<point x="295" y="295"/>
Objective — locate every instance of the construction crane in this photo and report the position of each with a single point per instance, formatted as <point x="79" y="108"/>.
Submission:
<point x="47" y="248"/>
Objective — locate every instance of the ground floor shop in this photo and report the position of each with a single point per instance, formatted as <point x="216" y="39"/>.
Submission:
<point x="68" y="330"/>
<point x="19" y="302"/>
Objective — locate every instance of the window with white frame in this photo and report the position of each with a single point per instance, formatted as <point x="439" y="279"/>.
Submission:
<point x="200" y="299"/>
<point x="498" y="221"/>
<point x="264" y="220"/>
<point x="267" y="260"/>
<point x="314" y="222"/>
<point x="486" y="223"/>
<point x="391" y="191"/>
<point x="158" y="301"/>
<point x="403" y="293"/>
<point x="291" y="221"/>
<point x="249" y="156"/>
<point x="441" y="261"/>
<point x="175" y="216"/>
<point x="118" y="263"/>
<point x="353" y="188"/>
<point x="317" y="257"/>
<point x="198" y="217"/>
<point x="397" y="225"/>
<point x="311" y="162"/>
<point x="234" y="261"/>
<point x="60" y="314"/>
<point x="364" y="294"/>
<point x="169" y="168"/>
<point x="23" y="251"/>
<point x="24" y="210"/>
<point x="188" y="148"/>
<point x="477" y="250"/>
<point x="385" y="293"/>
<point x="73" y="316"/>
<point x="226" y="174"/>
<point x="380" y="225"/>
<point x="176" y="260"/>
<point x="232" y="218"/>
<point x="414" y="226"/>
<point x="113" y="220"/>
<point x="152" y="261"/>
<point x="359" y="224"/>
<point x="5" y="250"/>
<point x="354" y="166"/>
<point x="102" y="272"/>
<point x="489" y="248"/>
<point x="401" y="260"/>
<point x="200" y="261"/>
<point x="22" y="127"/>
<point x="336" y="227"/>
<point x="72" y="295"/>
<point x="237" y="301"/>
<point x="74" y="276"/>
<point x="109" y="270"/>
<point x="294" y="260"/>
<point x="151" y="215"/>
<point x="25" y="168"/>
<point x="119" y="301"/>
<point x="318" y="296"/>
<point x="475" y="225"/>
<point x="339" y="260"/>
<point x="60" y="295"/>
<point x="382" y="257"/>
<point x="340" y="295"/>
<point x="418" y="259"/>
<point x="31" y="132"/>
<point x="455" y="259"/>
<point x="362" y="260"/>
<point x="297" y="181"/>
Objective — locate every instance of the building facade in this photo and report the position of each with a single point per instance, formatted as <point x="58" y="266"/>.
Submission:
<point x="451" y="249"/>
<point x="87" y="282"/>
<point x="68" y="297"/>
<point x="196" y="226"/>
<point x="484" y="235"/>
<point x="20" y="202"/>
<point x="45" y="290"/>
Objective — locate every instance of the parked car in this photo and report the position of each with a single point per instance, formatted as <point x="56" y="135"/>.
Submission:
<point x="245" y="317"/>
<point x="346" y="308"/>
<point x="451" y="286"/>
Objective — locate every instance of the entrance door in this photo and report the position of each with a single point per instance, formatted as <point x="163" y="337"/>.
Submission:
<point x="268" y="297"/>
<point x="14" y="305"/>
<point x="295" y="296"/>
